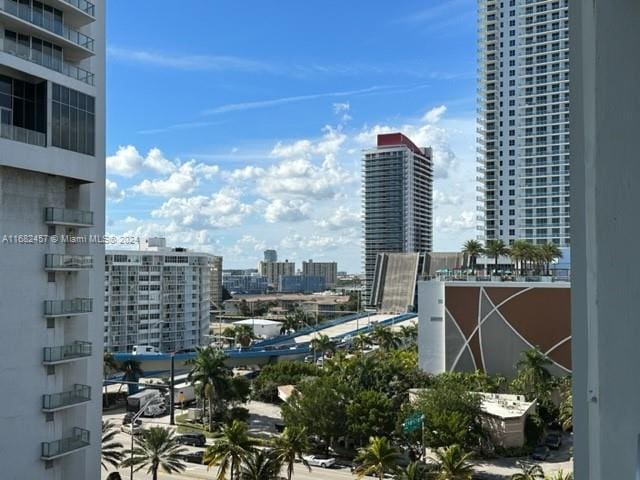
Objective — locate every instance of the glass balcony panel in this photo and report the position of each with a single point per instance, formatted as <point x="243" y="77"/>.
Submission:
<point x="79" y="393"/>
<point x="24" y="135"/>
<point x="68" y="307"/>
<point x="66" y="216"/>
<point x="67" y="352"/>
<point x="79" y="438"/>
<point x="55" y="261"/>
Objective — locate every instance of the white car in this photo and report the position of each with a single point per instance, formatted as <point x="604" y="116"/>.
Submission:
<point x="319" y="461"/>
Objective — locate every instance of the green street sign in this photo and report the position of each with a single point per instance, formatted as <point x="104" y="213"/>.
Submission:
<point x="412" y="423"/>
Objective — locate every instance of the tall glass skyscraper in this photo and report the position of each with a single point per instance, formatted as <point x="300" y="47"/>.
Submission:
<point x="397" y="189"/>
<point x="523" y="105"/>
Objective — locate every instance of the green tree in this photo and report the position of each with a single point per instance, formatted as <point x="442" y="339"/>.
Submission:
<point x="109" y="367"/>
<point x="413" y="471"/>
<point x="244" y="334"/>
<point x="259" y="465"/>
<point x="385" y="337"/>
<point x="229" y="449"/>
<point x="559" y="475"/>
<point x="319" y="405"/>
<point x="226" y="295"/>
<point x="520" y="251"/>
<point x="368" y="416"/>
<point x="528" y="472"/>
<point x="549" y="253"/>
<point x="451" y="416"/>
<point x="132" y="372"/>
<point x="453" y="463"/>
<point x="156" y="449"/>
<point x="473" y="249"/>
<point x="378" y="458"/>
<point x="409" y="333"/>
<point x="112" y="453"/>
<point x="496" y="249"/>
<point x="265" y="386"/>
<point x="209" y="371"/>
<point x="322" y="344"/>
<point x="533" y="378"/>
<point x="290" y="446"/>
<point x="565" y="414"/>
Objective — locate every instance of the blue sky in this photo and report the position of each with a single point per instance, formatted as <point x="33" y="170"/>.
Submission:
<point x="237" y="126"/>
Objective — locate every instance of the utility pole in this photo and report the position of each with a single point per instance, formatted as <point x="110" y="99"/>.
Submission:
<point x="171" y="385"/>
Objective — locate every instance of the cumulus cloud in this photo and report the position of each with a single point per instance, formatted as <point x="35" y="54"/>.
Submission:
<point x="341" y="218"/>
<point x="280" y="210"/>
<point x="466" y="220"/>
<point x="442" y="198"/>
<point x="219" y="210"/>
<point x="434" y="115"/>
<point x="183" y="180"/>
<point x="126" y="162"/>
<point x="113" y="192"/>
<point x="243" y="174"/>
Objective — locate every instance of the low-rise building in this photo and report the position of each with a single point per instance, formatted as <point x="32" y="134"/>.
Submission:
<point x="262" y="328"/>
<point x="301" y="284"/>
<point x="244" y="282"/>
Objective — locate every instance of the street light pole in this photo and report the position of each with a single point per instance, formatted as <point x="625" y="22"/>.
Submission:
<point x="171" y="385"/>
<point x="133" y="421"/>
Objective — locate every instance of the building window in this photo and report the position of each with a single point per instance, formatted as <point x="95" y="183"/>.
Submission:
<point x="73" y="120"/>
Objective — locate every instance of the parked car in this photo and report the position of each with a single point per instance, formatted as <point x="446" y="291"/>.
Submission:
<point x="137" y="427"/>
<point x="195" y="439"/>
<point x="319" y="460"/>
<point x="553" y="440"/>
<point x="540" y="453"/>
<point x="193" y="457"/>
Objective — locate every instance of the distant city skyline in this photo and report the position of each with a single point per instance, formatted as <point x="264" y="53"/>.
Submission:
<point x="245" y="140"/>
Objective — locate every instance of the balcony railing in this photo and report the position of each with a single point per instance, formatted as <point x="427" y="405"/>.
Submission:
<point x="48" y="61"/>
<point x="66" y="216"/>
<point x="56" y="401"/>
<point x="23" y="135"/>
<point x="50" y="24"/>
<point x="76" y="306"/>
<point x="79" y="439"/>
<point x="66" y="352"/>
<point x="87" y="7"/>
<point x="54" y="261"/>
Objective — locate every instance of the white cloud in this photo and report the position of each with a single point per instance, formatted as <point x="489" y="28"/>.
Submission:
<point x="219" y="210"/>
<point x="126" y="162"/>
<point x="466" y="220"/>
<point x="442" y="198"/>
<point x="184" y="180"/>
<point x="434" y="115"/>
<point x="341" y="107"/>
<point x="113" y="192"/>
<point x="243" y="174"/>
<point x="156" y="161"/>
<point x="286" y="211"/>
<point x="341" y="218"/>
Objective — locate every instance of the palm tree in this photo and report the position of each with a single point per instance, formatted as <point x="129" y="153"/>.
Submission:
<point x="323" y="344"/>
<point x="533" y="374"/>
<point x="566" y="411"/>
<point x="244" y="334"/>
<point x="473" y="249"/>
<point x="208" y="369"/>
<point x="519" y="252"/>
<point x="549" y="252"/>
<point x="360" y="341"/>
<point x="377" y="458"/>
<point x="528" y="472"/>
<point x="260" y="465"/>
<point x="453" y="464"/>
<point x="132" y="373"/>
<point x="289" y="446"/>
<point x="385" y="338"/>
<point x="109" y="367"/>
<point x="414" y="471"/>
<point x="559" y="475"/>
<point x="496" y="249"/>
<point x="157" y="449"/>
<point x="409" y="333"/>
<point x="111" y="449"/>
<point x="229" y="449"/>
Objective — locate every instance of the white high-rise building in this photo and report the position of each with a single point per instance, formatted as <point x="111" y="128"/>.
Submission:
<point x="159" y="297"/>
<point x="523" y="109"/>
<point x="52" y="191"/>
<point x="397" y="185"/>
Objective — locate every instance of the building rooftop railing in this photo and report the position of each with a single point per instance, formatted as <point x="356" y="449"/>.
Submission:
<point x="87" y="7"/>
<point x="45" y="60"/>
<point x="79" y="438"/>
<point x="505" y="276"/>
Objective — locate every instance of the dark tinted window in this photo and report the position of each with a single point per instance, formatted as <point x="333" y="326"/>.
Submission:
<point x="73" y="121"/>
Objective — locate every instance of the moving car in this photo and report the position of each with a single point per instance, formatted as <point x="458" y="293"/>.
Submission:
<point x="319" y="460"/>
<point x="540" y="453"/>
<point x="195" y="439"/>
<point x="553" y="440"/>
<point x="193" y="457"/>
<point x="126" y="427"/>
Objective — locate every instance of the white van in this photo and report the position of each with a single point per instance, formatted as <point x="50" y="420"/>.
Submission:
<point x="145" y="350"/>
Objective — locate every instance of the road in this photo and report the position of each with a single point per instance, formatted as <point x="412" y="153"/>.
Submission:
<point x="349" y="326"/>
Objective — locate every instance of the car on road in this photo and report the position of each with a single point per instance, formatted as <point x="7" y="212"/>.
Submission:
<point x="553" y="440"/>
<point x="195" y="439"/>
<point x="137" y="427"/>
<point x="319" y="460"/>
<point x="193" y="457"/>
<point x="541" y="452"/>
